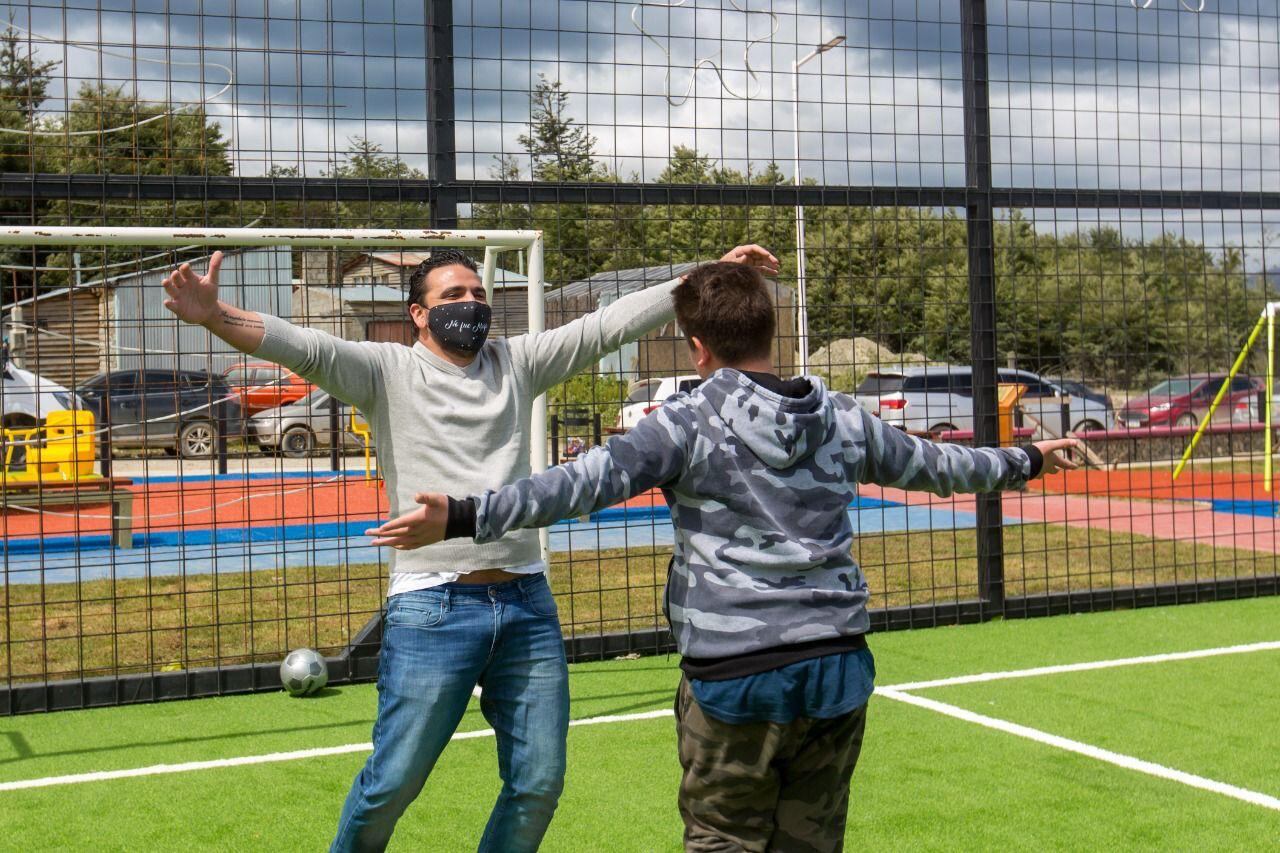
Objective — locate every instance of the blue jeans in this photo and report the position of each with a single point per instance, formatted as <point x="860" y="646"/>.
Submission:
<point x="437" y="645"/>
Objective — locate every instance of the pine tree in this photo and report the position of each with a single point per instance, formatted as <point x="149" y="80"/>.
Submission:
<point x="561" y="149"/>
<point x="24" y="84"/>
<point x="24" y="81"/>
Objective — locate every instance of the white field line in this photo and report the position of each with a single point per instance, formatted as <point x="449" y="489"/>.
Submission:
<point x="161" y="769"/>
<point x="894" y="691"/>
<point x="1084" y="667"/>
<point x="1126" y="761"/>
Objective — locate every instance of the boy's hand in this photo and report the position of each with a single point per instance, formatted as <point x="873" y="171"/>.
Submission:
<point x="753" y="256"/>
<point x="1055" y="458"/>
<point x="194" y="298"/>
<point x="416" y="528"/>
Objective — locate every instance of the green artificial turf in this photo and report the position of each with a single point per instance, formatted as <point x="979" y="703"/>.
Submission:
<point x="1214" y="717"/>
<point x="925" y="781"/>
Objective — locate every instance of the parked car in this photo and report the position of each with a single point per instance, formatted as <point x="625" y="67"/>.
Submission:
<point x="939" y="399"/>
<point x="262" y="385"/>
<point x="28" y="398"/>
<point x="298" y="429"/>
<point x="645" y="395"/>
<point x="1184" y="401"/>
<point x="1079" y="389"/>
<point x="177" y="410"/>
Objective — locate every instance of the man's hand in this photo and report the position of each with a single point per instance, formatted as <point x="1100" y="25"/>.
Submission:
<point x="753" y="256"/>
<point x="194" y="298"/>
<point x="1055" y="458"/>
<point x="416" y="528"/>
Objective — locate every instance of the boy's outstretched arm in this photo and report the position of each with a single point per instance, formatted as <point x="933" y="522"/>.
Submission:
<point x="651" y="454"/>
<point x="894" y="458"/>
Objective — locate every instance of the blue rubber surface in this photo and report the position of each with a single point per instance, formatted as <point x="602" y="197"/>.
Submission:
<point x="242" y="549"/>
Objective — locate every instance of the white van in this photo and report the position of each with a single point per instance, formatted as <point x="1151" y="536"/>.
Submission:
<point x="645" y="395"/>
<point x="28" y="398"/>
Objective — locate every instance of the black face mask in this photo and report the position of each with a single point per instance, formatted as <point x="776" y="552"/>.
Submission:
<point x="460" y="326"/>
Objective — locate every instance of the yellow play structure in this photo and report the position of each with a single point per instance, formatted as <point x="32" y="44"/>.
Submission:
<point x="360" y="427"/>
<point x="1268" y="318"/>
<point x="62" y="449"/>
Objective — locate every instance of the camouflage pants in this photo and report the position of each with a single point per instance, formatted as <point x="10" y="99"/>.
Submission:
<point x="765" y="786"/>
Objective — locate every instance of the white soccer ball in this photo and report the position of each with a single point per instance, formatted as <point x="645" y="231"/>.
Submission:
<point x="303" y="672"/>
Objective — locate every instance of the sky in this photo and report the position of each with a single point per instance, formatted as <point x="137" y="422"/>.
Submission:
<point x="1084" y="93"/>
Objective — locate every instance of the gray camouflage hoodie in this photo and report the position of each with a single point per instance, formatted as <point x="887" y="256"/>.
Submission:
<point x="759" y="486"/>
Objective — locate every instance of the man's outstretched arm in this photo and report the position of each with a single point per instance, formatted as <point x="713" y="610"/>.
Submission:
<point x="651" y="454"/>
<point x="558" y="354"/>
<point x="347" y="370"/>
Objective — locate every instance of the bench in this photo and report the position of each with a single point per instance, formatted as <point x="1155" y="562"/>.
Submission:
<point x="41" y="494"/>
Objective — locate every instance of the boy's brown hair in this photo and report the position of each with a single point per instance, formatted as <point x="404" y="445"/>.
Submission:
<point x="727" y="307"/>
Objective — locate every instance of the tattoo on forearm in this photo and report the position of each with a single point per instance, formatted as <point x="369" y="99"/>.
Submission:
<point x="238" y="322"/>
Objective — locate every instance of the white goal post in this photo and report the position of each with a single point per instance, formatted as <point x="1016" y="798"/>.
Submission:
<point x="493" y="243"/>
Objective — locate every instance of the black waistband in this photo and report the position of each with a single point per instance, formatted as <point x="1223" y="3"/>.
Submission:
<point x="752" y="663"/>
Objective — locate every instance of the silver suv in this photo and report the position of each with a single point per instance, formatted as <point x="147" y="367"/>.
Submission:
<point x="298" y="429"/>
<point x="937" y="399"/>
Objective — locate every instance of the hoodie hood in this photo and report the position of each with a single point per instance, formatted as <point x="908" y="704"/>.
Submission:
<point x="780" y="431"/>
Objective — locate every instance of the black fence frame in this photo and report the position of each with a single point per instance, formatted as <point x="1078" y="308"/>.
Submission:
<point x="444" y="193"/>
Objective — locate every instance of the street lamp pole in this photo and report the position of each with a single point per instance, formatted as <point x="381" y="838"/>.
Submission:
<point x="802" y="305"/>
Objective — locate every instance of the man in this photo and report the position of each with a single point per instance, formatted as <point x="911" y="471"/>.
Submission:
<point x="452" y="412"/>
<point x="766" y="602"/>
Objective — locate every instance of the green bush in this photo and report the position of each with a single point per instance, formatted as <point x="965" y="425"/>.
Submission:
<point x="586" y="395"/>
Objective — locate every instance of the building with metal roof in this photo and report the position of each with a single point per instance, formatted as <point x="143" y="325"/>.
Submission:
<point x="664" y="351"/>
<point x="120" y="321"/>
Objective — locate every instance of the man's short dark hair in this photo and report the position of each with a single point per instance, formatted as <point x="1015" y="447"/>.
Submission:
<point x="439" y="258"/>
<point x="727" y="307"/>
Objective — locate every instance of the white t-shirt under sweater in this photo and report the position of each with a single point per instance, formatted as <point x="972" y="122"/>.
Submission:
<point x="458" y="430"/>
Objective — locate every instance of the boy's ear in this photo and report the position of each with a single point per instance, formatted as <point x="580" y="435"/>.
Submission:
<point x="700" y="354"/>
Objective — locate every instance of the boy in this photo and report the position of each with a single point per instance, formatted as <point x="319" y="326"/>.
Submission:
<point x="767" y="605"/>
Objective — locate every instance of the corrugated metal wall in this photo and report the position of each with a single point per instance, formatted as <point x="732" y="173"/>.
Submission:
<point x="145" y="335"/>
<point x="65" y="337"/>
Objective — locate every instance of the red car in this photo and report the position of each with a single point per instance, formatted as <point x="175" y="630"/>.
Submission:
<point x="262" y="385"/>
<point x="1184" y="401"/>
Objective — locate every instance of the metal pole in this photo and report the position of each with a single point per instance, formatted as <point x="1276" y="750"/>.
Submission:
<point x="221" y="443"/>
<point x="490" y="267"/>
<point x="441" y="142"/>
<point x="980" y="223"/>
<point x="538" y="417"/>
<point x="104" y="440"/>
<point x="802" y="302"/>
<point x="1271" y="378"/>
<point x="1222" y="392"/>
<point x="335" y="435"/>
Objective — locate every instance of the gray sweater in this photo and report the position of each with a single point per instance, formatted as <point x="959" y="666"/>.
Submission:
<point x="443" y="428"/>
<point x="759" y="487"/>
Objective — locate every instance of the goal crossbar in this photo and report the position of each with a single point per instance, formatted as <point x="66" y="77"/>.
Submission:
<point x="492" y="242"/>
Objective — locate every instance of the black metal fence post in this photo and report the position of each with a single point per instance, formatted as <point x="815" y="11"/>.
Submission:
<point x="980" y="221"/>
<point x="441" y="145"/>
<point x="221" y="441"/>
<point x="335" y="436"/>
<point x="104" y="440"/>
